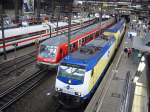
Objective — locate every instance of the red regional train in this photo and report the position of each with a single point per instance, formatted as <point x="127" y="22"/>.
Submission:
<point x="52" y="50"/>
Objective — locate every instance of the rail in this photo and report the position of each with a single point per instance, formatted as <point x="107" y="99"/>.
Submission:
<point x="17" y="91"/>
<point x="17" y="66"/>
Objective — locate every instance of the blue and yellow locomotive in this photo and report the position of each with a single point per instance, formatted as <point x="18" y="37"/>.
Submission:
<point x="80" y="72"/>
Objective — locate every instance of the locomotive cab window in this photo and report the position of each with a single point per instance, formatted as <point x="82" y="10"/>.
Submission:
<point x="74" y="72"/>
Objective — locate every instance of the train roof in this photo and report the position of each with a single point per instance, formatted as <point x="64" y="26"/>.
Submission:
<point x="89" y="54"/>
<point x="116" y="26"/>
<point x="54" y="25"/>
<point x="64" y="37"/>
<point x="23" y="30"/>
<point x="30" y="29"/>
<point x="89" y="50"/>
<point x="81" y="19"/>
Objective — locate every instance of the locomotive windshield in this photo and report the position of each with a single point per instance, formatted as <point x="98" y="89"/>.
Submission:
<point x="71" y="72"/>
<point x="48" y="51"/>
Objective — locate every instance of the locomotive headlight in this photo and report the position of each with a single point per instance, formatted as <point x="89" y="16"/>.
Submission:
<point x="78" y="93"/>
<point x="59" y="89"/>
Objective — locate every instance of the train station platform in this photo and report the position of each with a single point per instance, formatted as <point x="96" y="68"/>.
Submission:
<point x="118" y="91"/>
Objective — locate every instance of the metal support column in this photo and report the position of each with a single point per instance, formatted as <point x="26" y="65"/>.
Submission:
<point x="69" y="31"/>
<point x="69" y="27"/>
<point x="100" y="15"/>
<point x="15" y="53"/>
<point x="38" y="9"/>
<point x="2" y="28"/>
<point x="16" y="9"/>
<point x="50" y="31"/>
<point x="57" y="22"/>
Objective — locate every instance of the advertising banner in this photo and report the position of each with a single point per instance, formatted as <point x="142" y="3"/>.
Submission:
<point x="28" y="6"/>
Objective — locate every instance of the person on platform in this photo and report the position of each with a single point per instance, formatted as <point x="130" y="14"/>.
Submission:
<point x="125" y="51"/>
<point x="129" y="51"/>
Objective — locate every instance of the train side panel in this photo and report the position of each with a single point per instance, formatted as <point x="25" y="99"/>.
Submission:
<point x="118" y="35"/>
<point x="98" y="70"/>
<point x="115" y="35"/>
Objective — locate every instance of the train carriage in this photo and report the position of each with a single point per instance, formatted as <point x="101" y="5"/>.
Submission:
<point x="53" y="50"/>
<point x="117" y="30"/>
<point x="27" y="35"/>
<point x="80" y="73"/>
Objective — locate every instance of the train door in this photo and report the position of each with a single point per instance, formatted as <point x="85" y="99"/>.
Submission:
<point x="63" y="50"/>
<point x="61" y="53"/>
<point x="92" y="79"/>
<point x="73" y="46"/>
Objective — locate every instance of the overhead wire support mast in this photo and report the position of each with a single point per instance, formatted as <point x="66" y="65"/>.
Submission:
<point x="50" y="30"/>
<point x="100" y="15"/>
<point x="38" y="9"/>
<point x="69" y="28"/>
<point x="2" y="29"/>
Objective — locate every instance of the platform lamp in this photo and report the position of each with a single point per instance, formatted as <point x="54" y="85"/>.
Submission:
<point x="69" y="32"/>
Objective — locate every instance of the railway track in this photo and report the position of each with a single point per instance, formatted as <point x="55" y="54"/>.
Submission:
<point x="16" y="66"/>
<point x="15" y="92"/>
<point x="10" y="63"/>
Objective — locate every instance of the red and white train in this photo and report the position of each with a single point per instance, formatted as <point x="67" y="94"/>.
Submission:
<point x="26" y="35"/>
<point x="52" y="50"/>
